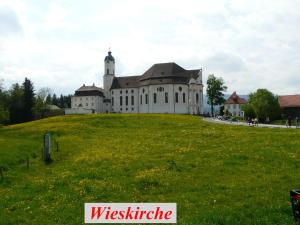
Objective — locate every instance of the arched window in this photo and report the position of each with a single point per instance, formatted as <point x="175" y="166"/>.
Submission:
<point x="146" y="98"/>
<point x="107" y="71"/>
<point x="121" y="101"/>
<point x="141" y="99"/>
<point x="154" y="98"/>
<point x="183" y="97"/>
<point x="197" y="98"/>
<point x="132" y="100"/>
<point x="176" y="97"/>
<point x="166" y="97"/>
<point x="112" y="101"/>
<point x="126" y="100"/>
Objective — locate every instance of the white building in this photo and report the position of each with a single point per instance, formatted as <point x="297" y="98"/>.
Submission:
<point x="233" y="105"/>
<point x="163" y="88"/>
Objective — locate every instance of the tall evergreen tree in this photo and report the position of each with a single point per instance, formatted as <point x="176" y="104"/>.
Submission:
<point x="16" y="104"/>
<point x="28" y="100"/>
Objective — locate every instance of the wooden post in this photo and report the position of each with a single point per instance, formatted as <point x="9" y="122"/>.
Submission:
<point x="47" y="147"/>
<point x="27" y="162"/>
<point x="1" y="173"/>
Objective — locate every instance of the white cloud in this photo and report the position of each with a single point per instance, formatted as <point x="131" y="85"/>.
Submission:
<point x="251" y="44"/>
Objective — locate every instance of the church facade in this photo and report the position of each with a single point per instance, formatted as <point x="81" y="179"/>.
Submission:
<point x="163" y="88"/>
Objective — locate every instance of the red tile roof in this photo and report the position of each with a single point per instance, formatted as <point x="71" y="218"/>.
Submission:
<point x="235" y="99"/>
<point x="286" y="101"/>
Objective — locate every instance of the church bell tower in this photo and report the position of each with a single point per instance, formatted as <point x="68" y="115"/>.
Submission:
<point x="109" y="73"/>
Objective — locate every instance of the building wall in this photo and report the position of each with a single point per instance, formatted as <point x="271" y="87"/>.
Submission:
<point x="143" y="99"/>
<point x="234" y="109"/>
<point x="88" y="102"/>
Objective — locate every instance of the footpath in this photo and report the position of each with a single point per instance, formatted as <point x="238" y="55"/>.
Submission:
<point x="237" y="123"/>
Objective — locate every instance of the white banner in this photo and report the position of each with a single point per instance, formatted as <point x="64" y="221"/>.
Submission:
<point x="130" y="213"/>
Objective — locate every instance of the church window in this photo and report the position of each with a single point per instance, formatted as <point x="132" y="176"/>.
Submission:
<point x="112" y="92"/>
<point x="166" y="97"/>
<point x="197" y="98"/>
<point x="132" y="109"/>
<point x="126" y="91"/>
<point x="126" y="109"/>
<point x="132" y="91"/>
<point x="132" y="100"/>
<point x="126" y="100"/>
<point x="121" y="100"/>
<point x="154" y="98"/>
<point x="146" y="99"/>
<point x="121" y="92"/>
<point x="183" y="97"/>
<point x="143" y="90"/>
<point x="180" y="88"/>
<point x="121" y="109"/>
<point x="107" y="71"/>
<point x="141" y="99"/>
<point x="176" y="97"/>
<point x="112" y="101"/>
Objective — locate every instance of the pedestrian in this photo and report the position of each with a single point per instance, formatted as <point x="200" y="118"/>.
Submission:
<point x="289" y="121"/>
<point x="249" y="121"/>
<point x="297" y="121"/>
<point x="256" y="122"/>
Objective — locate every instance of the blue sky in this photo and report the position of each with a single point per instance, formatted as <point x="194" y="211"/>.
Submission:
<point x="62" y="44"/>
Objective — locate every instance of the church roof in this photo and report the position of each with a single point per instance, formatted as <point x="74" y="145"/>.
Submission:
<point x="161" y="73"/>
<point x="89" y="91"/>
<point x="286" y="101"/>
<point x="235" y="99"/>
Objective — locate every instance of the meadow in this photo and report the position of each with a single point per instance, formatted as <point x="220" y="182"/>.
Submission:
<point x="217" y="174"/>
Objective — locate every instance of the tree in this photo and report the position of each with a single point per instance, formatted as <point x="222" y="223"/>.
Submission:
<point x="28" y="100"/>
<point x="265" y="104"/>
<point x="214" y="90"/>
<point x="248" y="111"/>
<point x="16" y="104"/>
<point x="43" y="93"/>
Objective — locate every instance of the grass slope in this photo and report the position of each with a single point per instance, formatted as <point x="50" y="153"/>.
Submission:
<point x="217" y="174"/>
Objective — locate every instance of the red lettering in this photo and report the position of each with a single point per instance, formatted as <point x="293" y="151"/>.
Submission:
<point x="168" y="215"/>
<point x="97" y="213"/>
<point x="113" y="215"/>
<point x="148" y="215"/>
<point x="158" y="211"/>
<point x="121" y="215"/>
<point x="142" y="213"/>
<point x="107" y="213"/>
<point x="128" y="214"/>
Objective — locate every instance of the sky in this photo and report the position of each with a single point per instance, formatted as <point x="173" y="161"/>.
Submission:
<point x="61" y="44"/>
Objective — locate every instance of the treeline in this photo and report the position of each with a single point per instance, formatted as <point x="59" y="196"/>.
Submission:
<point x="21" y="103"/>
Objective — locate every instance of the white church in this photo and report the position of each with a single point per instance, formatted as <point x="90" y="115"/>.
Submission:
<point x="163" y="88"/>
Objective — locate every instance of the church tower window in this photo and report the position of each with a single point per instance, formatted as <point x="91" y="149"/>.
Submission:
<point x="197" y="98"/>
<point x="176" y="97"/>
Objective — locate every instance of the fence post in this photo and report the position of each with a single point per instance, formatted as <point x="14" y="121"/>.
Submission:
<point x="47" y="147"/>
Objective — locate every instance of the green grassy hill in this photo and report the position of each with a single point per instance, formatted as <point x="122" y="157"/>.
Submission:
<point x="217" y="174"/>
